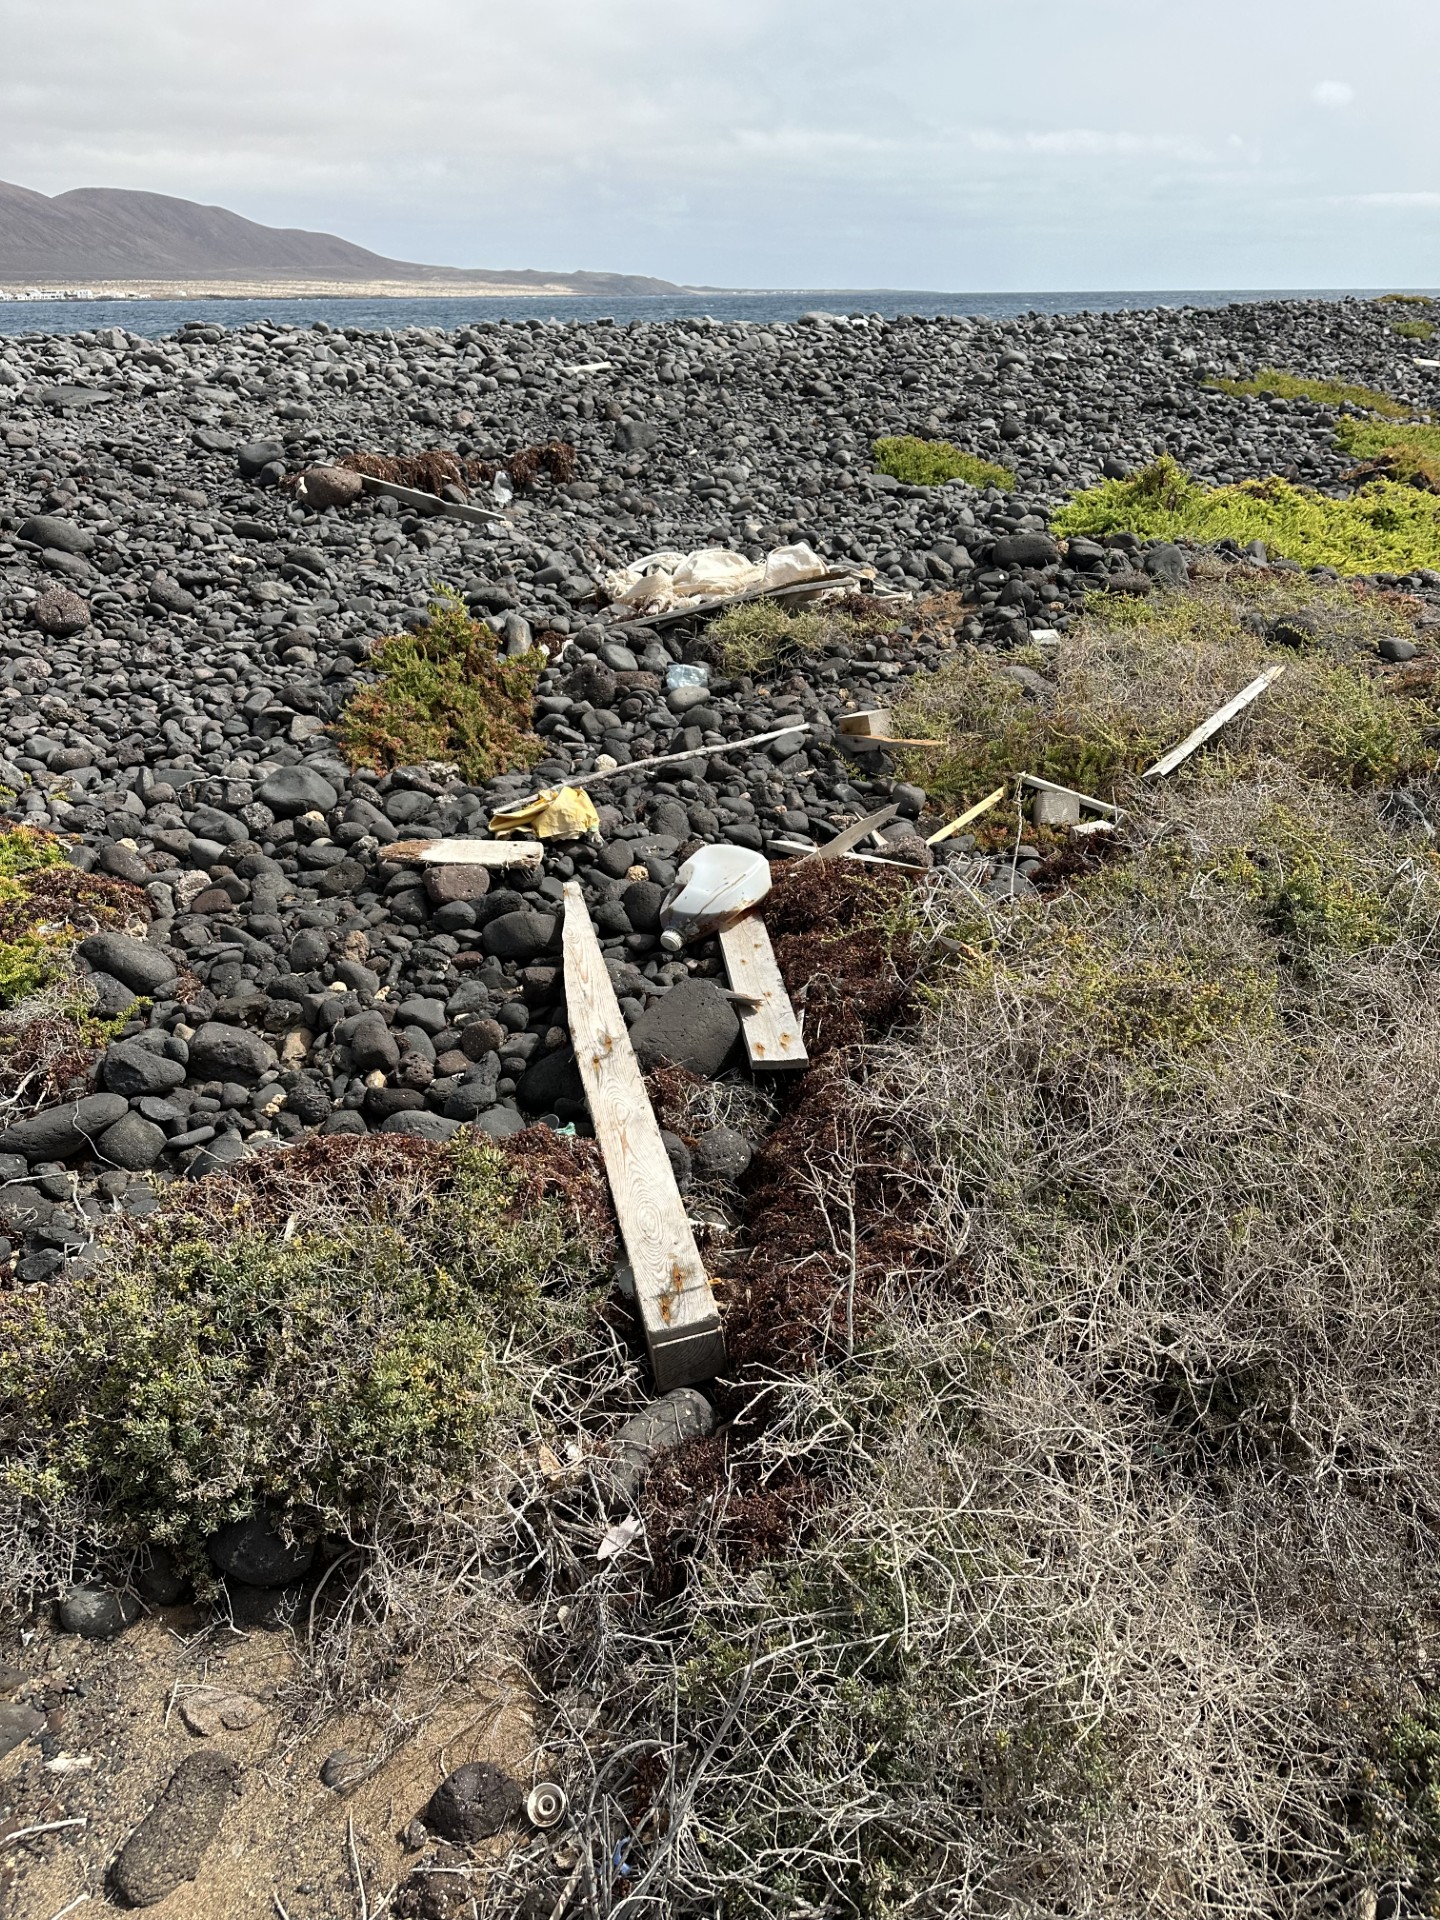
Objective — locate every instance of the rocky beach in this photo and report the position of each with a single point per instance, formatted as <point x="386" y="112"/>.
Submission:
<point x="179" y="633"/>
<point x="265" y="963"/>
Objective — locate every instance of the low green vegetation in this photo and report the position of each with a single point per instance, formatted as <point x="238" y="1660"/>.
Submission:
<point x="760" y="636"/>
<point x="1136" y="675"/>
<point x="1409" y="453"/>
<point x="354" y="1345"/>
<point x="930" y="463"/>
<point x="752" y="638"/>
<point x="1413" y="329"/>
<point x="444" y="694"/>
<point x="1386" y="527"/>
<point x="1326" y="393"/>
<point x="34" y="946"/>
<point x="1404" y="300"/>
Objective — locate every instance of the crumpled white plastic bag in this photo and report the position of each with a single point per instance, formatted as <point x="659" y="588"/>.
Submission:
<point x="662" y="581"/>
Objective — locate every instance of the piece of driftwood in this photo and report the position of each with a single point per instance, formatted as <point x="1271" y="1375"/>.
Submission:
<point x="431" y="502"/>
<point x="771" y="1027"/>
<point x="1085" y="799"/>
<point x="673" y="1294"/>
<point x="1203" y="732"/>
<point x="465" y="853"/>
<point x="852" y="836"/>
<point x="693" y="753"/>
<point x="871" y="728"/>
<point x="970" y="813"/>
<point x="870" y="723"/>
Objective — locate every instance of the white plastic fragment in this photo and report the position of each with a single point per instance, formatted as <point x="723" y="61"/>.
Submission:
<point x="617" y="1538"/>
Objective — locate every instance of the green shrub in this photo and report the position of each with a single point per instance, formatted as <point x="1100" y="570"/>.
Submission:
<point x="444" y="694"/>
<point x="754" y="636"/>
<point x="1410" y="453"/>
<point x="1413" y="329"/>
<point x="1326" y="393"/>
<point x="1384" y="528"/>
<point x="1134" y="676"/>
<point x="930" y="463"/>
<point x="220" y="1359"/>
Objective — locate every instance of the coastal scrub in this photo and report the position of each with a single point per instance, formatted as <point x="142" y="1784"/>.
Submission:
<point x="444" y="694"/>
<point x="1386" y="527"/>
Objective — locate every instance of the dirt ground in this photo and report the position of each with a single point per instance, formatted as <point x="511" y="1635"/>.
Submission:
<point x="116" y="1732"/>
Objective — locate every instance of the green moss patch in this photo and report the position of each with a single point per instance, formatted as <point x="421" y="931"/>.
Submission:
<point x="1326" y="393"/>
<point x="444" y="694"/>
<point x="1413" y="329"/>
<point x="1384" y="528"/>
<point x="930" y="463"/>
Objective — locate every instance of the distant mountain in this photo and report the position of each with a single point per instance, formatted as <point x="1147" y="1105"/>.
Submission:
<point x="108" y="233"/>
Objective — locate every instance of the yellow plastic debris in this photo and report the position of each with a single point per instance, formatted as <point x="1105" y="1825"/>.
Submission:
<point x="559" y="813"/>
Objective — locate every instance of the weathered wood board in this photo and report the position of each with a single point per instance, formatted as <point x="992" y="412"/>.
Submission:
<point x="771" y="1026"/>
<point x="677" y="1306"/>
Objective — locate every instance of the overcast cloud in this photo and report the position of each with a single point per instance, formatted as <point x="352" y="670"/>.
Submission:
<point x="1037" y="144"/>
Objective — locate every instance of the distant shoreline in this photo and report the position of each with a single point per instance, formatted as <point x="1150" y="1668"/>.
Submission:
<point x="24" y="293"/>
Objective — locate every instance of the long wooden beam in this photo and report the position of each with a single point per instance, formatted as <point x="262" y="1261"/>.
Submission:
<point x="672" y="1290"/>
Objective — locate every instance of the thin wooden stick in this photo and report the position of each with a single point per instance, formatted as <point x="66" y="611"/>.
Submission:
<point x="50" y="1826"/>
<point x="694" y="753"/>
<point x="1085" y="799"/>
<point x="970" y="813"/>
<point x="1213" y="725"/>
<point x="355" y="1866"/>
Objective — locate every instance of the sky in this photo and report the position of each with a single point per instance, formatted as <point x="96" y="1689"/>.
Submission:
<point x="955" y="145"/>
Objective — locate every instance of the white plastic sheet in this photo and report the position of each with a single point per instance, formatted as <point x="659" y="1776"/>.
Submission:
<point x="660" y="582"/>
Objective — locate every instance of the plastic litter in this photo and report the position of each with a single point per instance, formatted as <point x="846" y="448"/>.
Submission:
<point x="682" y="674"/>
<point x="617" y="1538"/>
<point x="558" y="813"/>
<point x="713" y="888"/>
<point x="661" y="581"/>
<point x="501" y="489"/>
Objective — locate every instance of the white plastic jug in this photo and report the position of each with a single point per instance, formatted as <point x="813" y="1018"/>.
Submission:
<point x="714" y="887"/>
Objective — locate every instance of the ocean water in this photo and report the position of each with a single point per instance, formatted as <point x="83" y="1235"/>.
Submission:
<point x="153" y="318"/>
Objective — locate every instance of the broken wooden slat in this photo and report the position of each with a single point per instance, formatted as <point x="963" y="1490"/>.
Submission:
<point x="672" y="1291"/>
<point x="430" y="502"/>
<point x="862" y="742"/>
<point x="1213" y="725"/>
<point x="852" y="836"/>
<point x="772" y="1026"/>
<point x="1085" y="799"/>
<point x="465" y="853"/>
<point x="970" y="813"/>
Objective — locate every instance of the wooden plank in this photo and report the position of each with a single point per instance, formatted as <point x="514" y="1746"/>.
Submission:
<point x="772" y="1026"/>
<point x="1213" y="725"/>
<point x="852" y="836"/>
<point x="431" y="503"/>
<point x="465" y="853"/>
<point x="1085" y="799"/>
<point x="677" y="1307"/>
<point x="970" y="813"/>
